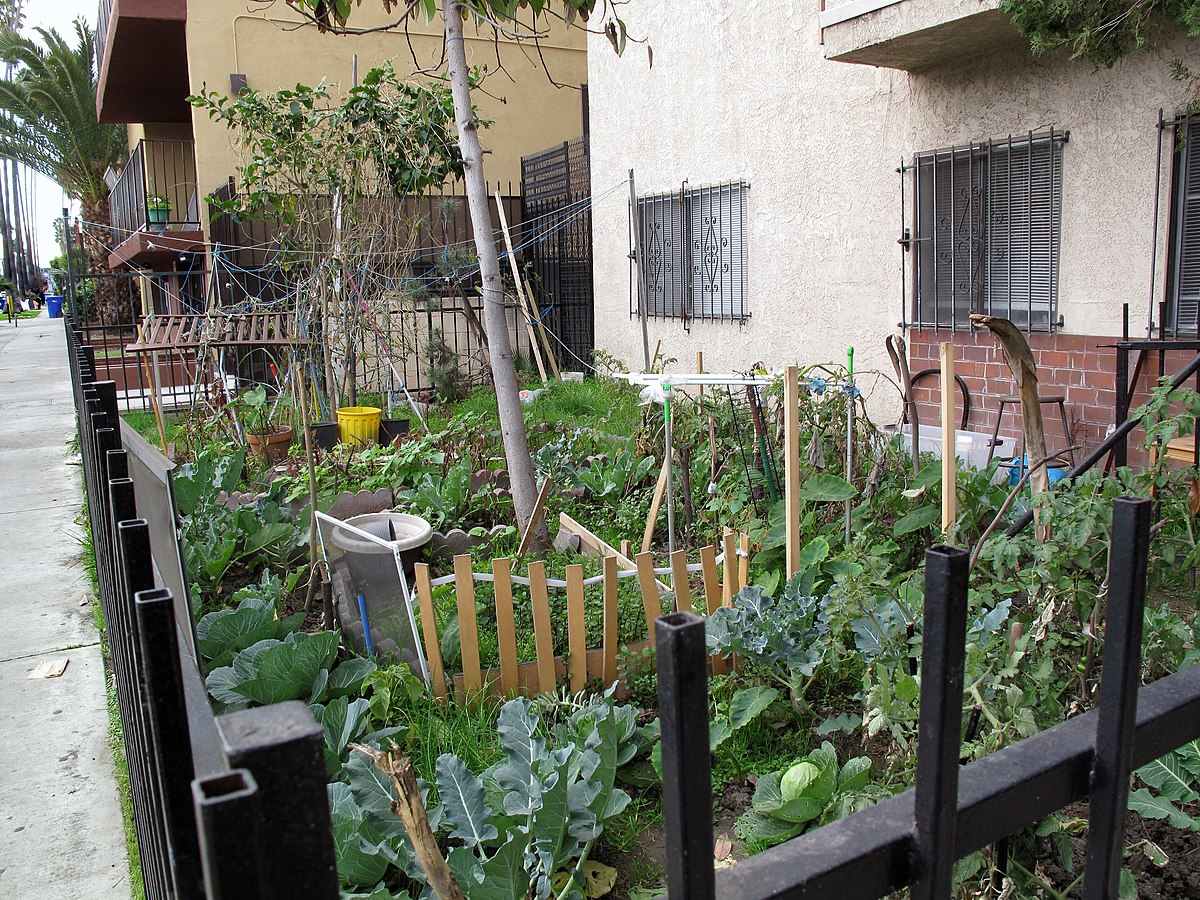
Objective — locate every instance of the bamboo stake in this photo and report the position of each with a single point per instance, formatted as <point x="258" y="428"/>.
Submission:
<point x="302" y="397"/>
<point x="610" y="620"/>
<point x="468" y="630"/>
<point x="506" y="630"/>
<point x="576" y="629"/>
<point x="539" y="509"/>
<point x="433" y="652"/>
<point x="512" y="261"/>
<point x="949" y="444"/>
<point x="791" y="467"/>
<point x="542" y="635"/>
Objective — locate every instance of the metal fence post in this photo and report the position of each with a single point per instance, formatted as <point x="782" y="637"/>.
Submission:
<point x="1111" y="768"/>
<point x="940" y="727"/>
<point x="687" y="765"/>
<point x="227" y="815"/>
<point x="283" y="747"/>
<point x="170" y="735"/>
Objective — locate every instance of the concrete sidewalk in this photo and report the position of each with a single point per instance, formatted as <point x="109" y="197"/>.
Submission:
<point x="61" y="833"/>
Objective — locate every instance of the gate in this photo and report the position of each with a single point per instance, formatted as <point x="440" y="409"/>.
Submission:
<point x="556" y="208"/>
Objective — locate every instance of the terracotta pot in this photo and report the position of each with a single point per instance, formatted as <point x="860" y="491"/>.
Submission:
<point x="271" y="447"/>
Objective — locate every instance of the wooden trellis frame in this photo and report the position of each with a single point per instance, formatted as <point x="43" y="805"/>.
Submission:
<point x="722" y="578"/>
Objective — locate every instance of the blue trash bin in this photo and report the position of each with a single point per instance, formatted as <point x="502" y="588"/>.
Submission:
<point x="54" y="305"/>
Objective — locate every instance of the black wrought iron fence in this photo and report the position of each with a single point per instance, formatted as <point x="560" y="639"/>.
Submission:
<point x="913" y="839"/>
<point x="228" y="806"/>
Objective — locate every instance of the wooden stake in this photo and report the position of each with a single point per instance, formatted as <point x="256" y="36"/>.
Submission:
<point x="576" y="629"/>
<point x="468" y="630"/>
<point x="650" y="599"/>
<point x="655" y="505"/>
<point x="712" y="594"/>
<point x="433" y="652"/>
<point x="791" y="467"/>
<point x="512" y="261"/>
<point x="611" y="638"/>
<point x="542" y="635"/>
<point x="949" y="444"/>
<point x="506" y="631"/>
<point x="679" y="574"/>
<point x="539" y="509"/>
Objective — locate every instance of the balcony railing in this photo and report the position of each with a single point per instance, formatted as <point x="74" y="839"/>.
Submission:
<point x="102" y="17"/>
<point x="157" y="190"/>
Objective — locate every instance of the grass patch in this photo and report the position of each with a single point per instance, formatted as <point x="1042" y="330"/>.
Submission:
<point x="142" y="421"/>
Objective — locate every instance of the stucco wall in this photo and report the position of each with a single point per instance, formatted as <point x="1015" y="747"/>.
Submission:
<point x="531" y="114"/>
<point x="744" y="92"/>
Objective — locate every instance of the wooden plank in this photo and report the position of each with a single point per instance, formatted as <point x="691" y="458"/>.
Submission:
<point x="626" y="548"/>
<point x="712" y="578"/>
<point x="679" y="575"/>
<point x="433" y="652"/>
<point x="541" y="327"/>
<point x="611" y="639"/>
<point x="650" y="599"/>
<point x="949" y="455"/>
<point x="791" y="467"/>
<point x="602" y="548"/>
<point x="506" y="630"/>
<point x="512" y="261"/>
<point x="655" y="505"/>
<point x="539" y="509"/>
<point x="543" y="637"/>
<point x="576" y="628"/>
<point x="468" y="629"/>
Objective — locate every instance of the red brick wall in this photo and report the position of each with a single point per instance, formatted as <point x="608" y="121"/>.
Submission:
<point x="1072" y="365"/>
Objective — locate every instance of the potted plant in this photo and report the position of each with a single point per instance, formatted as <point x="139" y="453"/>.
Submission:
<point x="158" y="210"/>
<point x="267" y="438"/>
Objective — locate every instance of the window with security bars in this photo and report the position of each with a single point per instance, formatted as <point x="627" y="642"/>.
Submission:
<point x="987" y="221"/>
<point x="694" y="252"/>
<point x="1183" y="278"/>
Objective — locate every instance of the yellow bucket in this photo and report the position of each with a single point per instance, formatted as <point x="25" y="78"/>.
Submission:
<point x="358" y="425"/>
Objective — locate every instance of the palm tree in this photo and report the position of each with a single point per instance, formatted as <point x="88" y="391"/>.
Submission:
<point x="48" y="123"/>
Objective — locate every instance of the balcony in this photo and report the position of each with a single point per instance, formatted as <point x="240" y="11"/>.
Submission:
<point x="915" y="35"/>
<point x="142" y="60"/>
<point x="153" y="206"/>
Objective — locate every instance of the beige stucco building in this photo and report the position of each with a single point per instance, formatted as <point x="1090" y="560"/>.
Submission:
<point x="1054" y="197"/>
<point x="157" y="52"/>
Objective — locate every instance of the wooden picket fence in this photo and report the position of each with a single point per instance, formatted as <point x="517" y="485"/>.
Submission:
<point x="722" y="578"/>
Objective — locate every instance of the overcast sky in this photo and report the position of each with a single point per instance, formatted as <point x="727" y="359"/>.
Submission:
<point x="48" y="196"/>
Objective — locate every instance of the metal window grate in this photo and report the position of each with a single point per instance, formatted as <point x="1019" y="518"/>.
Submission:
<point x="986" y="224"/>
<point x="694" y="252"/>
<point x="1183" y="279"/>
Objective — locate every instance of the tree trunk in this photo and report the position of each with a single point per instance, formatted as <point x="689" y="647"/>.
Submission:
<point x="113" y="298"/>
<point x="6" y="227"/>
<point x="504" y="375"/>
<point x="21" y="262"/>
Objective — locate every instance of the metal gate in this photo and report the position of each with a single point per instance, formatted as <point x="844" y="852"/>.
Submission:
<point x="557" y="236"/>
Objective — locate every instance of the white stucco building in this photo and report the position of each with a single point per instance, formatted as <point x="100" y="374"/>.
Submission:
<point x="815" y="180"/>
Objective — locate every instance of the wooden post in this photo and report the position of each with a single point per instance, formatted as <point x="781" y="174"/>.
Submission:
<point x="433" y="652"/>
<point x="506" y="630"/>
<point x="541" y="327"/>
<point x="791" y="467"/>
<point x="535" y="518"/>
<point x="576" y="629"/>
<point x="949" y="444"/>
<point x="679" y="574"/>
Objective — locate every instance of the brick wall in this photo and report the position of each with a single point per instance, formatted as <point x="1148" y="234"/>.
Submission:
<point x="1072" y="365"/>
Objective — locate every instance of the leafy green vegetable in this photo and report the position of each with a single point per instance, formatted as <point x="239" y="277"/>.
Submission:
<point x="272" y="671"/>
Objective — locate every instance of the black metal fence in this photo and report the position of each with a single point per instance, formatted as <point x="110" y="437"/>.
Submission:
<point x="556" y="207"/>
<point x="223" y="807"/>
<point x="914" y="838"/>
<point x="156" y="190"/>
